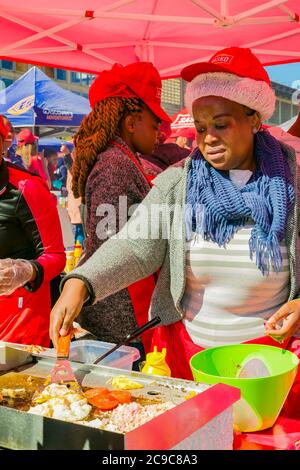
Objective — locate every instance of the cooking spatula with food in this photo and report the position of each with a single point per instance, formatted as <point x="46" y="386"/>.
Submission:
<point x="62" y="371"/>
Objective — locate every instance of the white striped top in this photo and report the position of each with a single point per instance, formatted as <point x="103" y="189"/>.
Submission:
<point x="226" y="297"/>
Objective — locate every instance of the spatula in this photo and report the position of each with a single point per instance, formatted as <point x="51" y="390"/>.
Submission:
<point x="62" y="371"/>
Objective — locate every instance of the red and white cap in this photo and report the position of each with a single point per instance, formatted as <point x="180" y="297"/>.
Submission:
<point x="233" y="73"/>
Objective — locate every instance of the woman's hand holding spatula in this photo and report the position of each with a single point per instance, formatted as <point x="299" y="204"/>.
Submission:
<point x="67" y="308"/>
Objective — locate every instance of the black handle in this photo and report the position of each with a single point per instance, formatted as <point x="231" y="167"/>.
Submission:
<point x="155" y="321"/>
<point x="139" y="331"/>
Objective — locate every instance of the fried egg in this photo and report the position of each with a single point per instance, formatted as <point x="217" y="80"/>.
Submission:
<point x="59" y="402"/>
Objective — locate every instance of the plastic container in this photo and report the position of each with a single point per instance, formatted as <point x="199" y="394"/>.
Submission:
<point x="156" y="364"/>
<point x="11" y="357"/>
<point x="87" y="351"/>
<point x="264" y="374"/>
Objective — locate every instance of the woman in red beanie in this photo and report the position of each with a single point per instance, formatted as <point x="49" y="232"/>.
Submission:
<point x="31" y="253"/>
<point x="229" y="265"/>
<point x="124" y="122"/>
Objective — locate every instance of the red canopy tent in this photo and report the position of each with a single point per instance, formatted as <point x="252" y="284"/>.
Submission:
<point x="90" y="35"/>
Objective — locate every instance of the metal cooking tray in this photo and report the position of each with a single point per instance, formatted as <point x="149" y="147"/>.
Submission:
<point x="22" y="430"/>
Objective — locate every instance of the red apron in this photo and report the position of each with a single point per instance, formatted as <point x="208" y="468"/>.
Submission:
<point x="24" y="316"/>
<point x="141" y="291"/>
<point x="180" y="349"/>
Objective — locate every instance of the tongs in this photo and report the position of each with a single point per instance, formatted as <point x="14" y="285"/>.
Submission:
<point x="150" y="324"/>
<point x="137" y="332"/>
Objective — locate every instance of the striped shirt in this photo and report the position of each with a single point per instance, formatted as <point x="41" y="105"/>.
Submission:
<point x="226" y="297"/>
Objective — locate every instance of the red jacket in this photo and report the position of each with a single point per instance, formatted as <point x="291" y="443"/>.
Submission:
<point x="29" y="229"/>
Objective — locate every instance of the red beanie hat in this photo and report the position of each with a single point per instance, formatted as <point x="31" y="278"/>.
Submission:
<point x="138" y="80"/>
<point x="234" y="73"/>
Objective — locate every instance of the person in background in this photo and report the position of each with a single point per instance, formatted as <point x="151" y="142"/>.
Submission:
<point x="239" y="188"/>
<point x="124" y="122"/>
<point x="60" y="174"/>
<point x="33" y="161"/>
<point x="65" y="153"/>
<point x="183" y="142"/>
<point x="51" y="159"/>
<point x="26" y="146"/>
<point x="39" y="166"/>
<point x="164" y="154"/>
<point x="295" y="128"/>
<point x="9" y="146"/>
<point x="31" y="253"/>
<point x="73" y="204"/>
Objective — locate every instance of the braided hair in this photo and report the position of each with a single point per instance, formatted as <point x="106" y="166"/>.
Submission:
<point x="97" y="129"/>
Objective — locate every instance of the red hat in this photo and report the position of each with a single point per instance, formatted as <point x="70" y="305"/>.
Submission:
<point x="25" y="137"/>
<point x="4" y="129"/>
<point x="188" y="132"/>
<point x="236" y="60"/>
<point x="233" y="73"/>
<point x="138" y="80"/>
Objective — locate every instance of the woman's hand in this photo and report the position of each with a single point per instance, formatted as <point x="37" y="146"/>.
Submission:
<point x="285" y="322"/>
<point x="67" y="308"/>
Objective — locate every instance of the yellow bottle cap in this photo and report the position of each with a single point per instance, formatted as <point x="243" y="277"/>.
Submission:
<point x="156" y="364"/>
<point x="156" y="358"/>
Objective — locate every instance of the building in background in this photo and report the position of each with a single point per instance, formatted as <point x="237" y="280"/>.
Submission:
<point x="172" y="90"/>
<point x="285" y="109"/>
<point x="77" y="82"/>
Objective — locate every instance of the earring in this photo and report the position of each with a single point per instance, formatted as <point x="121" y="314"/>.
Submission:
<point x="254" y="130"/>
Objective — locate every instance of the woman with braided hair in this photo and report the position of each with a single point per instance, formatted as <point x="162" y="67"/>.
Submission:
<point x="124" y="121"/>
<point x="98" y="129"/>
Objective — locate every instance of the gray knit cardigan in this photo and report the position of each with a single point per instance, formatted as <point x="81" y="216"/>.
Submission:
<point x="123" y="260"/>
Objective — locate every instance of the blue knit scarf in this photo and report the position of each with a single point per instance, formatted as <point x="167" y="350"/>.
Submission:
<point x="216" y="208"/>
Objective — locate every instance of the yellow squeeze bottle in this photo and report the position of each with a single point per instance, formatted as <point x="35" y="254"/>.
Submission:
<point x="70" y="261"/>
<point x="156" y="364"/>
<point x="77" y="252"/>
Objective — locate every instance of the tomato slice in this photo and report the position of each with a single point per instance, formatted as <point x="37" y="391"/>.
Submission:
<point x="93" y="392"/>
<point x="104" y="402"/>
<point x="121" y="395"/>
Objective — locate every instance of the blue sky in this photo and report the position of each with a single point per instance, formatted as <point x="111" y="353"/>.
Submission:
<point x="285" y="74"/>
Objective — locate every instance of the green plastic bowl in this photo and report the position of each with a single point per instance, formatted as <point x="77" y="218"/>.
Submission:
<point x="264" y="374"/>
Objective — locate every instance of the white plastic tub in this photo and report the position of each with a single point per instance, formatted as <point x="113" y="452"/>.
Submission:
<point x="87" y="351"/>
<point x="11" y="357"/>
